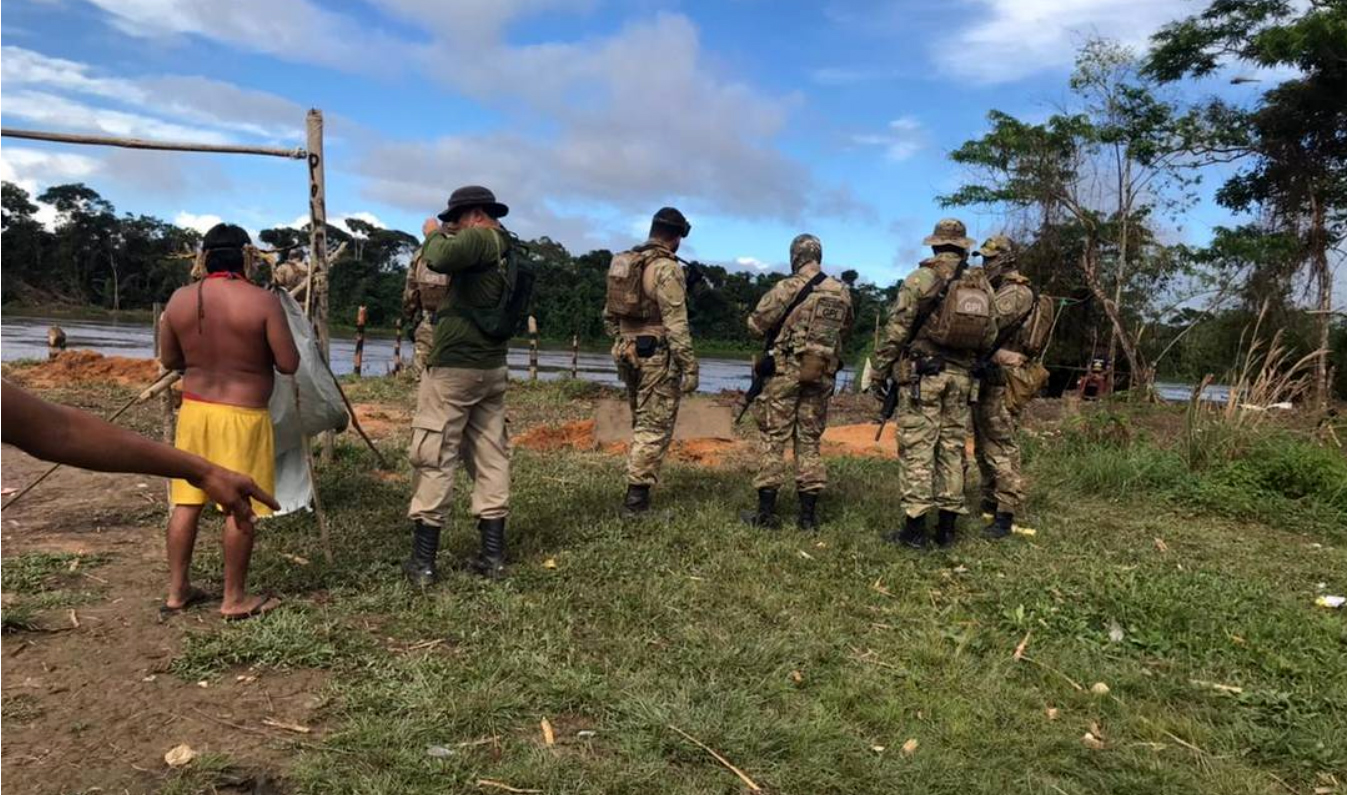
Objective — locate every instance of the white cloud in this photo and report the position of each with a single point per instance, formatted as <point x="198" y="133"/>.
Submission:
<point x="1006" y="40"/>
<point x="201" y="223"/>
<point x="622" y="122"/>
<point x="754" y="264"/>
<point x="904" y="137"/>
<point x="207" y="103"/>
<point x="52" y="111"/>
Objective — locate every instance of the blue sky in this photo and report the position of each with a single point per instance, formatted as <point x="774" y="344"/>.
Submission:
<point x="759" y="119"/>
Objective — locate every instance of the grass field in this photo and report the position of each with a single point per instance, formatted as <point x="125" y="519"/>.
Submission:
<point x="816" y="664"/>
<point x="834" y="663"/>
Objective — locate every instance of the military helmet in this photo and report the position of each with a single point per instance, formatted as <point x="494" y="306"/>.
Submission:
<point x="950" y="232"/>
<point x="805" y="249"/>
<point x="997" y="246"/>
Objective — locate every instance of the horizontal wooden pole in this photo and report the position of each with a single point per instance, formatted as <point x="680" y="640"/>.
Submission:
<point x="296" y="153"/>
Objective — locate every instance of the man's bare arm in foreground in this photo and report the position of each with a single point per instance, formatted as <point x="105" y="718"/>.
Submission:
<point x="69" y="436"/>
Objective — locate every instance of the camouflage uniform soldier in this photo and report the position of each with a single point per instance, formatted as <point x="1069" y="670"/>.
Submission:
<point x="934" y="377"/>
<point x="793" y="405"/>
<point x="994" y="426"/>
<point x="421" y="294"/>
<point x="646" y="310"/>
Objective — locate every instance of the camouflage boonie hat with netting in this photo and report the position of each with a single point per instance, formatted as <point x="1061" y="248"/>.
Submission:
<point x="950" y="232"/>
<point x="997" y="246"/>
<point x="805" y="249"/>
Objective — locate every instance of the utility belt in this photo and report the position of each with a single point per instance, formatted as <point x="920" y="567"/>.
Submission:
<point x="920" y="365"/>
<point x="916" y="366"/>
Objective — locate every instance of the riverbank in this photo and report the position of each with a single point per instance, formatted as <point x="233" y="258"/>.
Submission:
<point x="1157" y="632"/>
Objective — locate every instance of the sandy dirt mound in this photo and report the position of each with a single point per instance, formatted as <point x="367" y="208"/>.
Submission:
<point x="382" y="420"/>
<point x="859" y="440"/>
<point x="72" y="368"/>
<point x="577" y="435"/>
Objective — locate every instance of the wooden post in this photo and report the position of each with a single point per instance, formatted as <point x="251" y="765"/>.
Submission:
<point x="533" y="348"/>
<point x="56" y="340"/>
<point x="397" y="346"/>
<point x="316" y="299"/>
<point x="575" y="356"/>
<point x="166" y="397"/>
<point x="360" y="316"/>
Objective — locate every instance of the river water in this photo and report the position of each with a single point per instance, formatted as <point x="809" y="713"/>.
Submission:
<point x="26" y="338"/>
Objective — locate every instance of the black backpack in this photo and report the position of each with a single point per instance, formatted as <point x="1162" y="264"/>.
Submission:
<point x="502" y="321"/>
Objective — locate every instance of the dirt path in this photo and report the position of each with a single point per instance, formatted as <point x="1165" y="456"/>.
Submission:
<point x="93" y="706"/>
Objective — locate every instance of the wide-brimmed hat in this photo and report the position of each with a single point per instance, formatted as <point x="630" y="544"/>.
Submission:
<point x="950" y="232"/>
<point x="470" y="196"/>
<point x="997" y="246"/>
<point x="672" y="218"/>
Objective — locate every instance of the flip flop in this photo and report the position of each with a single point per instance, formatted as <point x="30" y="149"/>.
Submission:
<point x="195" y="597"/>
<point x="269" y="602"/>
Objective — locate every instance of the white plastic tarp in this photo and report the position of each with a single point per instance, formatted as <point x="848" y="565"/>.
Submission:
<point x="320" y="409"/>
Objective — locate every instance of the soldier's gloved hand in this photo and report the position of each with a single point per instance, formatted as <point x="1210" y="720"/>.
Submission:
<point x="879" y="382"/>
<point x="691" y="379"/>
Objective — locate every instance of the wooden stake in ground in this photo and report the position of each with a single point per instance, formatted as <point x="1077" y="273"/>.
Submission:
<point x="575" y="356"/>
<point x="533" y="348"/>
<point x="748" y="782"/>
<point x="360" y="316"/>
<point x="397" y="346"/>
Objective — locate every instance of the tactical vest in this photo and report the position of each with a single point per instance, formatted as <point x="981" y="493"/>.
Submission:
<point x="818" y="324"/>
<point x="430" y="286"/>
<point x="1032" y="337"/>
<point x="626" y="298"/>
<point x="965" y="315"/>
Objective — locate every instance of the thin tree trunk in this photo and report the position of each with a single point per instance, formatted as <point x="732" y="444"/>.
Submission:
<point x="1090" y="268"/>
<point x="1324" y="276"/>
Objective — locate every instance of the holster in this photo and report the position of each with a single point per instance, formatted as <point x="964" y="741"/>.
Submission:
<point x="928" y="365"/>
<point x="646" y="345"/>
<point x="764" y="366"/>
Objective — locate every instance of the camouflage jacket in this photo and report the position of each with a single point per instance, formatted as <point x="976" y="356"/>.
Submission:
<point x="663" y="281"/>
<point x="424" y="289"/>
<point x="805" y="328"/>
<point x="916" y="293"/>
<point x="1014" y="301"/>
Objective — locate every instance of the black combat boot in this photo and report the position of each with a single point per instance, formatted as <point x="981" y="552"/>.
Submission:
<point x="807" y="521"/>
<point x="420" y="567"/>
<point x="1001" y="526"/>
<point x="945" y="531"/>
<point x="490" y="561"/>
<point x="988" y="506"/>
<point x="637" y="500"/>
<point x="912" y="535"/>
<point x="765" y="515"/>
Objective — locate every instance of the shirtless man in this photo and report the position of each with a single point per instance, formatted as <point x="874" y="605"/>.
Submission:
<point x="229" y="337"/>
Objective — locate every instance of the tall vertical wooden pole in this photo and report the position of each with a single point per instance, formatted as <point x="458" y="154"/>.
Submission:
<point x="316" y="299"/>
<point x="360" y="316"/>
<point x="397" y="347"/>
<point x="575" y="356"/>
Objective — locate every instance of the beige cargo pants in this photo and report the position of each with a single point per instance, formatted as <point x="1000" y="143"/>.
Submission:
<point x="460" y="416"/>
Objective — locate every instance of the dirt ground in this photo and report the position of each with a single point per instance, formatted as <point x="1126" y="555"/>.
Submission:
<point x="63" y="731"/>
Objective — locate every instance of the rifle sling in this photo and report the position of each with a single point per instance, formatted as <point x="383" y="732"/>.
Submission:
<point x="769" y="340"/>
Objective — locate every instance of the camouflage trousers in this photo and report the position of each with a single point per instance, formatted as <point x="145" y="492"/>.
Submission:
<point x="932" y="434"/>
<point x="788" y="411"/>
<point x="997" y="450"/>
<point x="424" y="338"/>
<point x="653" y="392"/>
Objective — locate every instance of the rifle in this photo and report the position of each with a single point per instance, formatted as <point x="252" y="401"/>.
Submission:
<point x="924" y="314"/>
<point x="765" y="367"/>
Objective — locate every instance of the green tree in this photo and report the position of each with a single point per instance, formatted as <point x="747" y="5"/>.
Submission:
<point x="1293" y="141"/>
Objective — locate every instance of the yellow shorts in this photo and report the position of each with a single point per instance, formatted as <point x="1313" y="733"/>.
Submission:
<point x="234" y="437"/>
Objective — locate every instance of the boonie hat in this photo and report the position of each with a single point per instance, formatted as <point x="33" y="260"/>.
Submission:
<point x="950" y="232"/>
<point x="470" y="196"/>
